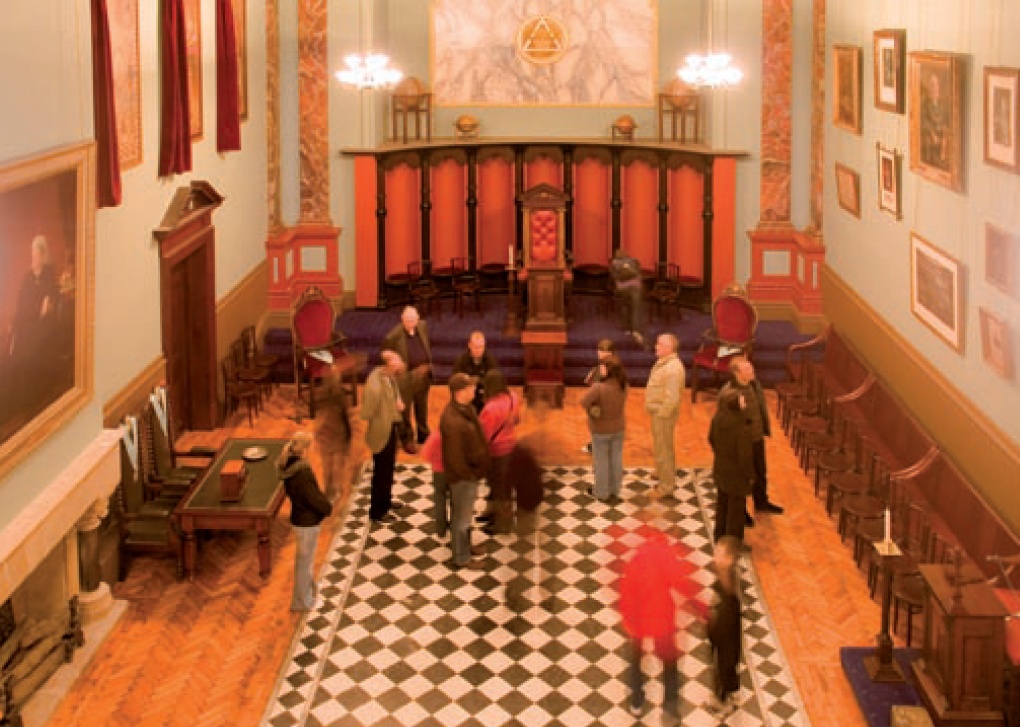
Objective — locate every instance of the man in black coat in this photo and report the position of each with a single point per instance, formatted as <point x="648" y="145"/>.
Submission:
<point x="476" y="362"/>
<point x="732" y="468"/>
<point x="410" y="339"/>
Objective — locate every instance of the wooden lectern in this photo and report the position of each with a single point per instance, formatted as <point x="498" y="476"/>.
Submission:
<point x="959" y="673"/>
<point x="545" y="329"/>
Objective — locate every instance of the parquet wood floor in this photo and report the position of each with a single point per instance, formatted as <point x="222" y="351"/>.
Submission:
<point x="206" y="652"/>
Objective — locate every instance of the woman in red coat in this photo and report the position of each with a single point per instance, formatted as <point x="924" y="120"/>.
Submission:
<point x="656" y="576"/>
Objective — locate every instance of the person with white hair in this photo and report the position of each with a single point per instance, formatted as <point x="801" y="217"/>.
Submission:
<point x="410" y="339"/>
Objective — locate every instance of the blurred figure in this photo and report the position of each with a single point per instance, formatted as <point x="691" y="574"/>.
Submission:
<point x="476" y="362"/>
<point x="442" y="506"/>
<point x="662" y="402"/>
<point x="626" y="272"/>
<point x="499" y="420"/>
<point x="608" y="398"/>
<point x="724" y="629"/>
<point x="527" y="481"/>
<point x="603" y="350"/>
<point x="382" y="407"/>
<point x="733" y="467"/>
<point x="308" y="508"/>
<point x="656" y="576"/>
<point x="410" y="339"/>
<point x="333" y="433"/>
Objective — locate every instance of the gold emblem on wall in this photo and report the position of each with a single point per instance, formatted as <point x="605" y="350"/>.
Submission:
<point x="542" y="40"/>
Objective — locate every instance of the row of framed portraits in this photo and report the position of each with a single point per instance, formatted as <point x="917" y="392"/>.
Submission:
<point x="931" y="87"/>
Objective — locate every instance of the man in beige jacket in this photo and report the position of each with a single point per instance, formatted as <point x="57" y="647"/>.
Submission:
<point x="662" y="402"/>
<point x="382" y="407"/>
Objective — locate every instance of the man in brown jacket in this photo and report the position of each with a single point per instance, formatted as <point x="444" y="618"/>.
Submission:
<point x="465" y="461"/>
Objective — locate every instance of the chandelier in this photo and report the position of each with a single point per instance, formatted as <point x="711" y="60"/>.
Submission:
<point x="712" y="70"/>
<point x="368" y="72"/>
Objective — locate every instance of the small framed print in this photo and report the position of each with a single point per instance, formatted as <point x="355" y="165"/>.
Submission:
<point x="846" y="83"/>
<point x="889" y="162"/>
<point x="889" y="56"/>
<point x="935" y="291"/>
<point x="936" y="117"/>
<point x="1002" y="107"/>
<point x="1002" y="258"/>
<point x="996" y="343"/>
<point x="848" y="189"/>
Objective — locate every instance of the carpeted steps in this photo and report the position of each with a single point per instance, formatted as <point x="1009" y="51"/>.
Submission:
<point x="587" y="324"/>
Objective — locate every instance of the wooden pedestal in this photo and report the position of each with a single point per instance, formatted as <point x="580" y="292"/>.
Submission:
<point x="543" y="366"/>
<point x="960" y="674"/>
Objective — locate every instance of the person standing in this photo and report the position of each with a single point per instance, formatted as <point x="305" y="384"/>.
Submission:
<point x="432" y="452"/>
<point x="607" y="398"/>
<point x="603" y="350"/>
<point x="381" y="407"/>
<point x="333" y="433"/>
<point x="733" y="466"/>
<point x="308" y="508"/>
<point x="626" y="273"/>
<point x="724" y="629"/>
<point x="653" y="578"/>
<point x="499" y="419"/>
<point x="662" y="402"/>
<point x="476" y="362"/>
<point x="410" y="339"/>
<point x="757" y="413"/>
<point x="465" y="461"/>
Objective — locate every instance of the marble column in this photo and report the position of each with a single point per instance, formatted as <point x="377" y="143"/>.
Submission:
<point x="273" y="186"/>
<point x="817" y="117"/>
<point x="313" y="88"/>
<point x="95" y="598"/>
<point x="776" y="94"/>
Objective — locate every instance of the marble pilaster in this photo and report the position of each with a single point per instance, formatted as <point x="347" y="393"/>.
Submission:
<point x="313" y="80"/>
<point x="777" y="96"/>
<point x="273" y="188"/>
<point x="94" y="598"/>
<point x="817" y="117"/>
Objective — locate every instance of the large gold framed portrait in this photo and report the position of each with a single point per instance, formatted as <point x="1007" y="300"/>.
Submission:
<point x="936" y="117"/>
<point x="846" y="87"/>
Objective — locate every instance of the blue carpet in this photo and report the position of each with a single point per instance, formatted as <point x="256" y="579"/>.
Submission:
<point x="876" y="699"/>
<point x="589" y="318"/>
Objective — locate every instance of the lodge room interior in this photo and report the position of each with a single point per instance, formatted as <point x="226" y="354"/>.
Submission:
<point x="198" y="195"/>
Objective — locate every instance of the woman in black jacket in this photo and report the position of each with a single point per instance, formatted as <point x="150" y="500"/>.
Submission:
<point x="308" y="508"/>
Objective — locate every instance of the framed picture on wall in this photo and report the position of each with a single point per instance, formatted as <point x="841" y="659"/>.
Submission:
<point x="996" y="343"/>
<point x="47" y="214"/>
<point x="1002" y="258"/>
<point x="889" y="161"/>
<point x="1002" y="107"/>
<point x="935" y="87"/>
<point x="889" y="56"/>
<point x="848" y="189"/>
<point x="935" y="291"/>
<point x="846" y="84"/>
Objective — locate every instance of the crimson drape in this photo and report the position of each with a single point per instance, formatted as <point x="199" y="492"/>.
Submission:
<point x="104" y="111"/>
<point x="175" y="131"/>
<point x="228" y="119"/>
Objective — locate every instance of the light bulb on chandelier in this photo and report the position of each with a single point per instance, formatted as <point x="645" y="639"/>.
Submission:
<point x="368" y="72"/>
<point x="713" y="70"/>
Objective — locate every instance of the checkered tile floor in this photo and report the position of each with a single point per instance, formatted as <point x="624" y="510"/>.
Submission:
<point x="535" y="640"/>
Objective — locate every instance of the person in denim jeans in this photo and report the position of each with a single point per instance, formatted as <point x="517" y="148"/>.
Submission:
<point x="609" y="394"/>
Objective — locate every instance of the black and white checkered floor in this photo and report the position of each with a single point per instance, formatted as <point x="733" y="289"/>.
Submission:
<point x="534" y="640"/>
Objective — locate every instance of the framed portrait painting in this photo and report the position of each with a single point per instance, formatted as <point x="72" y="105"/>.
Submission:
<point x="1002" y="106"/>
<point x="47" y="213"/>
<point x="996" y="343"/>
<point x="935" y="87"/>
<point x="889" y="170"/>
<point x="127" y="90"/>
<point x="193" y="44"/>
<point x="846" y="84"/>
<point x="848" y="189"/>
<point x="1002" y="259"/>
<point x="935" y="291"/>
<point x="889" y="56"/>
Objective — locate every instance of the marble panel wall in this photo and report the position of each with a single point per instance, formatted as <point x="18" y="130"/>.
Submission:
<point x="313" y="82"/>
<point x="777" y="97"/>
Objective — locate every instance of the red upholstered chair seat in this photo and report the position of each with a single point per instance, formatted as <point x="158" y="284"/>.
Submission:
<point x="1011" y="601"/>
<point x="544" y="236"/>
<point x="734" y="323"/>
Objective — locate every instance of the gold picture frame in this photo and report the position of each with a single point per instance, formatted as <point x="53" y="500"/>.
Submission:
<point x="47" y="257"/>
<point x="935" y="290"/>
<point x="846" y="87"/>
<point x="936" y="117"/>
<point x="889" y="65"/>
<point x="889" y="180"/>
<point x="848" y="189"/>
<point x="1002" y="117"/>
<point x="1002" y="259"/>
<point x="193" y="43"/>
<point x="996" y="343"/>
<point x="127" y="89"/>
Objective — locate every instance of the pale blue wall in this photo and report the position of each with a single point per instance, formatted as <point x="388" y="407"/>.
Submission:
<point x="46" y="84"/>
<point x="872" y="253"/>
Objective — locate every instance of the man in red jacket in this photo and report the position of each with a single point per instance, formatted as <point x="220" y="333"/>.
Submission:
<point x="656" y="575"/>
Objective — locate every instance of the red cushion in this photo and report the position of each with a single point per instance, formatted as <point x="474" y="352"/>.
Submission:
<point x="708" y="358"/>
<point x="1011" y="601"/>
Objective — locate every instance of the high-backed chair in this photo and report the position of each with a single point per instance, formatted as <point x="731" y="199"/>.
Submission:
<point x="422" y="287"/>
<point x="665" y="292"/>
<point x="318" y="347"/>
<point x="734" y="321"/>
<point x="466" y="283"/>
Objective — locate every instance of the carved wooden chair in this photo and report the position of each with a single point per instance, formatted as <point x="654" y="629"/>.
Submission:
<point x="319" y="348"/>
<point x="665" y="292"/>
<point x="423" y="289"/>
<point x="734" y="321"/>
<point x="466" y="283"/>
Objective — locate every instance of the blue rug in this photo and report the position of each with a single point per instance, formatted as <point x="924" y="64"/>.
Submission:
<point x="876" y="699"/>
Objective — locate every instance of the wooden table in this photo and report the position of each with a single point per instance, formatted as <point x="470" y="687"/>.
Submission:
<point x="263" y="495"/>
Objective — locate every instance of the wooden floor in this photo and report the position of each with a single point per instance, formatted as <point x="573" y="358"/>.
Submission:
<point x="207" y="652"/>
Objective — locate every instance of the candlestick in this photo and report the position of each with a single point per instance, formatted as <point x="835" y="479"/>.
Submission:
<point x="888" y="525"/>
<point x="510" y="251"/>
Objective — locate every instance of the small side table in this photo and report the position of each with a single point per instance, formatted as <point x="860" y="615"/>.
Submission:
<point x="881" y="666"/>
